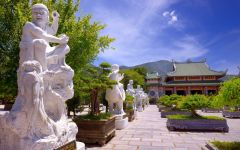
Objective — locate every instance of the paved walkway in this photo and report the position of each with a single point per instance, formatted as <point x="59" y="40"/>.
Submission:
<point x="149" y="132"/>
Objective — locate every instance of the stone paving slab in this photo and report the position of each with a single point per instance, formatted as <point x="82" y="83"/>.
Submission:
<point x="148" y="132"/>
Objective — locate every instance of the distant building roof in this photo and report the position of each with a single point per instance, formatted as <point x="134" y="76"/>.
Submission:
<point x="152" y="75"/>
<point x="190" y="68"/>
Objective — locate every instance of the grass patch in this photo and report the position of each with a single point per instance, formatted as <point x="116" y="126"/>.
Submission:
<point x="226" y="145"/>
<point x="101" y="116"/>
<point x="188" y="117"/>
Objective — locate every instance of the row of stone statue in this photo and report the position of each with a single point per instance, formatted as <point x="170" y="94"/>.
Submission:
<point x="38" y="119"/>
<point x="117" y="93"/>
<point x="141" y="98"/>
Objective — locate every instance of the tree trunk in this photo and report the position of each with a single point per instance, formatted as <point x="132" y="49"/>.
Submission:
<point x="194" y="113"/>
<point x="94" y="102"/>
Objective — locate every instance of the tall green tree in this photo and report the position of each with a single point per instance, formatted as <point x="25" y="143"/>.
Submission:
<point x="13" y="15"/>
<point x="85" y="40"/>
<point x="131" y="74"/>
<point x="229" y="93"/>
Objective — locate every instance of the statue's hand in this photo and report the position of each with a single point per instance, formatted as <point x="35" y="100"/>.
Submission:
<point x="55" y="15"/>
<point x="63" y="39"/>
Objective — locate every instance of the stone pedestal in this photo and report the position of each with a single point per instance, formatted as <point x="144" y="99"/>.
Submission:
<point x="80" y="146"/>
<point x="121" y="122"/>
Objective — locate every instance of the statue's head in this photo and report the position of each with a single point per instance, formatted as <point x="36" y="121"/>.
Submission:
<point x="115" y="67"/>
<point x="138" y="87"/>
<point x="131" y="81"/>
<point x="31" y="66"/>
<point x="40" y="14"/>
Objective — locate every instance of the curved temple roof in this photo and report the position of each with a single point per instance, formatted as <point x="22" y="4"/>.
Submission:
<point x="194" y="69"/>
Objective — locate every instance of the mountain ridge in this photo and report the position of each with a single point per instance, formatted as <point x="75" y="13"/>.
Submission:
<point x="161" y="66"/>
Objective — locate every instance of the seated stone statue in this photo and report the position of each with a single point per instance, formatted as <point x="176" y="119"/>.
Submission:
<point x="34" y="45"/>
<point x="36" y="36"/>
<point x="38" y="119"/>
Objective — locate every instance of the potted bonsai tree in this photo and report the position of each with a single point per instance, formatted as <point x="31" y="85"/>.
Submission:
<point x="96" y="127"/>
<point x="196" y="121"/>
<point x="128" y="107"/>
<point x="172" y="105"/>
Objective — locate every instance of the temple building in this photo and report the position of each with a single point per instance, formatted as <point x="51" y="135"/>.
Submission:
<point x="185" y="78"/>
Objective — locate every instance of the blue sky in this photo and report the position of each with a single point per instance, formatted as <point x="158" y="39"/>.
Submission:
<point x="152" y="30"/>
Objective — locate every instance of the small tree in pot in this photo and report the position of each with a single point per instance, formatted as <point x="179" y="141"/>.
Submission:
<point x="193" y="102"/>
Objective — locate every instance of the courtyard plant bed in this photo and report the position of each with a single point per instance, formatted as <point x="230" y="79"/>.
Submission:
<point x="196" y="123"/>
<point x="163" y="108"/>
<point x="218" y="145"/>
<point x="231" y="114"/>
<point x="95" y="129"/>
<point x="211" y="110"/>
<point x="165" y="113"/>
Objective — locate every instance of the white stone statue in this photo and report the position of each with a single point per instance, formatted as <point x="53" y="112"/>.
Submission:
<point x="130" y="90"/>
<point x="116" y="95"/>
<point x="138" y="99"/>
<point x="38" y="119"/>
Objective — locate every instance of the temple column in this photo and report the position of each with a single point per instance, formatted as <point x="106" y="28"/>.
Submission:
<point x="205" y="90"/>
<point x="188" y="90"/>
<point x="174" y="90"/>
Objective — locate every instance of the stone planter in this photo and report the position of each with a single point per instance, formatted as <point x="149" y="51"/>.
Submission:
<point x="197" y="125"/>
<point x="130" y="115"/>
<point x="96" y="131"/>
<point x="164" y="108"/>
<point x="210" y="146"/>
<point x="211" y="110"/>
<point x="8" y="106"/>
<point x="230" y="114"/>
<point x="174" y="112"/>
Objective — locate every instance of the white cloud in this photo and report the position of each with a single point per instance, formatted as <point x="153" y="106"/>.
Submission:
<point x="141" y="36"/>
<point x="165" y="13"/>
<point x="170" y="16"/>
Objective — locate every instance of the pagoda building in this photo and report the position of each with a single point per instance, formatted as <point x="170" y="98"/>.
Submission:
<point x="185" y="78"/>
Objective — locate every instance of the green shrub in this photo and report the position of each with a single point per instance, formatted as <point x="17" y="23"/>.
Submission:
<point x="187" y="117"/>
<point x="226" y="145"/>
<point x="128" y="103"/>
<point x="193" y="102"/>
<point x="229" y="93"/>
<point x="170" y="100"/>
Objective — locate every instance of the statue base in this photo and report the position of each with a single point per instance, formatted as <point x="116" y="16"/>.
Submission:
<point x="80" y="146"/>
<point x="121" y="122"/>
<point x="73" y="145"/>
<point x="10" y="139"/>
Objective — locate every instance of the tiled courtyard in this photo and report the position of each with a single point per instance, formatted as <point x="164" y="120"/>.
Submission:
<point x="149" y="132"/>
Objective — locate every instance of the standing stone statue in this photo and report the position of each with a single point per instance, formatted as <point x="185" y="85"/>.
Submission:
<point x="139" y="98"/>
<point x="130" y="90"/>
<point x="38" y="119"/>
<point x="116" y="95"/>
